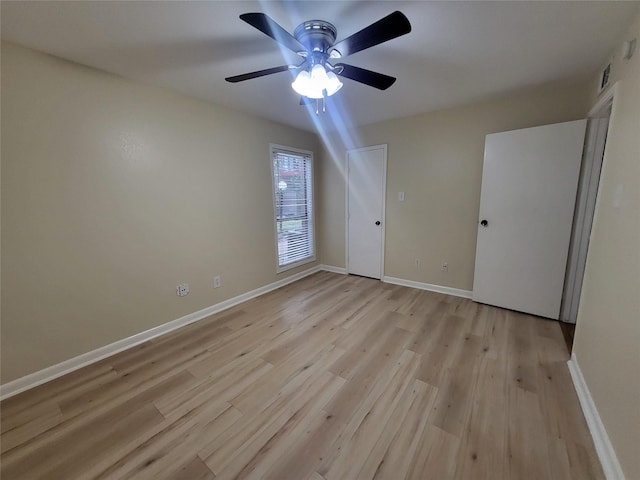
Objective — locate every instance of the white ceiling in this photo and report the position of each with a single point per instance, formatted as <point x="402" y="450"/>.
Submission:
<point x="457" y="52"/>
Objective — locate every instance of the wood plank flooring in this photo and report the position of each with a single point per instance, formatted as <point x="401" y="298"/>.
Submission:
<point x="332" y="377"/>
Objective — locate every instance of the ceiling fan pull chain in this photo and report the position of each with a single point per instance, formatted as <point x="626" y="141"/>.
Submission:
<point x="317" y="106"/>
<point x="324" y="105"/>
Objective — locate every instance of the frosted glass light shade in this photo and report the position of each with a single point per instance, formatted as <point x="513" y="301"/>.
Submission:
<point x="314" y="84"/>
<point x="318" y="75"/>
<point x="302" y="82"/>
<point x="333" y="84"/>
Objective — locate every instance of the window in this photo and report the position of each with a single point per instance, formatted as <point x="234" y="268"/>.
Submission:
<point x="293" y="199"/>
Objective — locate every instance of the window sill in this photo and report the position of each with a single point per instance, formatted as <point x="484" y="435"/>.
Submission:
<point x="290" y="266"/>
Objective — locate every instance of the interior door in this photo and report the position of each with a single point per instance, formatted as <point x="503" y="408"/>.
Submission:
<point x="529" y="183"/>
<point x="366" y="183"/>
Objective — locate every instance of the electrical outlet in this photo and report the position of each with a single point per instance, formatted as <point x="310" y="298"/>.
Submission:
<point x="445" y="267"/>
<point x="217" y="282"/>
<point x="182" y="289"/>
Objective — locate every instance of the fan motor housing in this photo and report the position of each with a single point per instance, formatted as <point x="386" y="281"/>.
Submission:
<point x="316" y="35"/>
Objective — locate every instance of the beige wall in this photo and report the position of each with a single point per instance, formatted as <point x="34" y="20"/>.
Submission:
<point x="607" y="339"/>
<point x="436" y="159"/>
<point x="114" y="192"/>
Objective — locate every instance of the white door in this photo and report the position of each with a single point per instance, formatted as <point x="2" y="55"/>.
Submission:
<point x="529" y="183"/>
<point x="366" y="183"/>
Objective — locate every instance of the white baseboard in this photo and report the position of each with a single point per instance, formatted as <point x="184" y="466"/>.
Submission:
<point x="604" y="449"/>
<point x="50" y="373"/>
<point x="331" y="268"/>
<point x="456" y="292"/>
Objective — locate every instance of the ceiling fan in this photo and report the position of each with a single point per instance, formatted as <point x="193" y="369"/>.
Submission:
<point x="314" y="41"/>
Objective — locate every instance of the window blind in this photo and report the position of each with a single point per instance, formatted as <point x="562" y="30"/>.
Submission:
<point x="293" y="195"/>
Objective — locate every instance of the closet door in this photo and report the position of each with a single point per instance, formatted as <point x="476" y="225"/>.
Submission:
<point x="529" y="184"/>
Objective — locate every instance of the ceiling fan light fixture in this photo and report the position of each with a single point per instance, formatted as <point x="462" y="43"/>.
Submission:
<point x="302" y="83"/>
<point x="305" y="86"/>
<point x="333" y="84"/>
<point x="314" y="84"/>
<point x="318" y="75"/>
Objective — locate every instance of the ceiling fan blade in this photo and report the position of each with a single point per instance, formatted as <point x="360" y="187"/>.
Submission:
<point x="259" y="73"/>
<point x="270" y="28"/>
<point x="373" y="79"/>
<point x="392" y="26"/>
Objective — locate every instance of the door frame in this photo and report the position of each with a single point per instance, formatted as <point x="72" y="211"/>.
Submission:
<point x="579" y="247"/>
<point x="382" y="147"/>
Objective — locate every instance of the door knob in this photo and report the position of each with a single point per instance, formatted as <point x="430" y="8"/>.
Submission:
<point x="484" y="223"/>
<point x="378" y="222"/>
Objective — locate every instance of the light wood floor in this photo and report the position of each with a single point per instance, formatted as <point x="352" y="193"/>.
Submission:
<point x="333" y="377"/>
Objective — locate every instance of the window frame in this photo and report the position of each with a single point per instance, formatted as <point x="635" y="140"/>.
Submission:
<point x="273" y="148"/>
